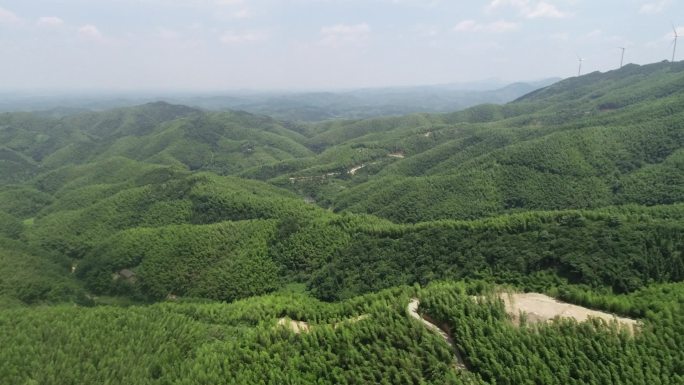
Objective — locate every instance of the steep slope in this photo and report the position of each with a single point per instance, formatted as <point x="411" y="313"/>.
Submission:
<point x="130" y="193"/>
<point x="582" y="143"/>
<point x="574" y="191"/>
<point x="153" y="133"/>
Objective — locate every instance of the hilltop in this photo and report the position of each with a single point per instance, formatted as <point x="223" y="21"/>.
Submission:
<point x="211" y="226"/>
<point x="76" y="186"/>
<point x="595" y="141"/>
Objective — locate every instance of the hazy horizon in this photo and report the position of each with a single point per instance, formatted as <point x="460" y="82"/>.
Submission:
<point x="488" y="84"/>
<point x="213" y="46"/>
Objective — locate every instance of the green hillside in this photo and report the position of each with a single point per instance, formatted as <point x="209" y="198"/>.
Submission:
<point x="368" y="339"/>
<point x="145" y="177"/>
<point x="157" y="133"/>
<point x="162" y="244"/>
<point x="582" y="143"/>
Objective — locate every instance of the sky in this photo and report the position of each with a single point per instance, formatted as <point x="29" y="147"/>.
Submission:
<point x="219" y="45"/>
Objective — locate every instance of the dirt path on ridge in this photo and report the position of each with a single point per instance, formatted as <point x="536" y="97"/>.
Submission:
<point x="412" y="310"/>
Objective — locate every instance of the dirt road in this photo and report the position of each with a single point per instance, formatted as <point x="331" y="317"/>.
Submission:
<point x="412" y="310"/>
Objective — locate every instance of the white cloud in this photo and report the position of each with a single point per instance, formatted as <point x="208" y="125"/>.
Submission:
<point x="345" y="34"/>
<point x="426" y="30"/>
<point x="494" y="27"/>
<point x="346" y="29"/>
<point x="562" y="36"/>
<point x="8" y="17"/>
<point x="599" y="36"/>
<point x="242" y="14"/>
<point x="232" y="37"/>
<point x="167" y="34"/>
<point x="466" y="25"/>
<point x="229" y="2"/>
<point x="529" y="9"/>
<point x="494" y="4"/>
<point x="594" y="34"/>
<point x="421" y="3"/>
<point x="50" y="22"/>
<point x="544" y="10"/>
<point x="655" y="7"/>
<point x="195" y="3"/>
<point x="90" y="32"/>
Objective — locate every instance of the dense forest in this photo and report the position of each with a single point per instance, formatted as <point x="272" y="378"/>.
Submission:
<point x="243" y="343"/>
<point x="166" y="244"/>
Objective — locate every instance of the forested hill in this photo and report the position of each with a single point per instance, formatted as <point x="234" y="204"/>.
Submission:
<point x="575" y="190"/>
<point x="594" y="141"/>
<point x="74" y="186"/>
<point x="157" y="133"/>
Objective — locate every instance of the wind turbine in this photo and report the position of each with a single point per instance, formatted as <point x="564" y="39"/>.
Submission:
<point x="622" y="58"/>
<point x="674" y="49"/>
<point x="579" y="71"/>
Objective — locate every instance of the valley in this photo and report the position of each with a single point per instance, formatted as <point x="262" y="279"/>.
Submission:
<point x="167" y="244"/>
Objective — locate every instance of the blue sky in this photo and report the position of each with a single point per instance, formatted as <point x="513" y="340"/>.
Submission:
<point x="213" y="45"/>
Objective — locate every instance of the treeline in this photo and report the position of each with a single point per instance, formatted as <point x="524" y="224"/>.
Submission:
<point x="497" y="169"/>
<point x="223" y="261"/>
<point x="367" y="339"/>
<point x="584" y="143"/>
<point x="565" y="352"/>
<point x="84" y="217"/>
<point x="202" y="235"/>
<point x="623" y="251"/>
<point x="238" y="343"/>
<point x="341" y="256"/>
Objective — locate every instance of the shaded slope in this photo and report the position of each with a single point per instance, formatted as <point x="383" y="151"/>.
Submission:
<point x="155" y="133"/>
<point x="559" y="148"/>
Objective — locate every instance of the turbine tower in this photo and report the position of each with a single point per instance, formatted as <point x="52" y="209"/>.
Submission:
<point x="622" y="58"/>
<point x="579" y="71"/>
<point x="674" y="48"/>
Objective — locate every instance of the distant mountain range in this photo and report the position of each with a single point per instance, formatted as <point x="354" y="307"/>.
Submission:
<point x="297" y="106"/>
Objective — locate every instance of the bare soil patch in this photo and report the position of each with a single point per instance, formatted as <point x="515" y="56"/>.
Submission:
<point x="304" y="327"/>
<point x="296" y="326"/>
<point x="542" y="308"/>
<point x="353" y="170"/>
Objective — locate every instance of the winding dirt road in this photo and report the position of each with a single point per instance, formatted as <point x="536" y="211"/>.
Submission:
<point x="412" y="310"/>
<point x="353" y="170"/>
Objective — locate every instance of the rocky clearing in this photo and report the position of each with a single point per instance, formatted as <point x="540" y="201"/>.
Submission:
<point x="542" y="308"/>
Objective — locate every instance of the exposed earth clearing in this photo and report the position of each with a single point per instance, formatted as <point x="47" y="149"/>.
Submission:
<point x="542" y="308"/>
<point x="304" y="327"/>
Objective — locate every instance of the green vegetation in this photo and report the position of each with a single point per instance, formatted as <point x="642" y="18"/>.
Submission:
<point x="535" y="251"/>
<point x="120" y="229"/>
<point x="524" y="157"/>
<point x="241" y="343"/>
<point x="28" y="276"/>
<point x="565" y="352"/>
